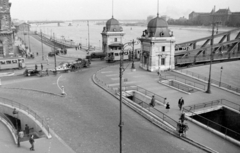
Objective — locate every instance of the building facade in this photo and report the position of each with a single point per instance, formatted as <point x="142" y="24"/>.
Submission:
<point x="222" y="16"/>
<point x="112" y="40"/>
<point x="6" y="33"/>
<point x="22" y="27"/>
<point x="158" y="46"/>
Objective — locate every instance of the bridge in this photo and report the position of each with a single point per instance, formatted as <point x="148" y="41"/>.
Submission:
<point x="191" y="53"/>
<point x="44" y="22"/>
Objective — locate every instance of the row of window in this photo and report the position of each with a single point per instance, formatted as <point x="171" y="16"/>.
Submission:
<point x="14" y="61"/>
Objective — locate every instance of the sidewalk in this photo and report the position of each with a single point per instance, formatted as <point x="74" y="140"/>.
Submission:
<point x="149" y="81"/>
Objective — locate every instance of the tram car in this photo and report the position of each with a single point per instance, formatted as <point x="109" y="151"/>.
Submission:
<point x="114" y="55"/>
<point x="12" y="63"/>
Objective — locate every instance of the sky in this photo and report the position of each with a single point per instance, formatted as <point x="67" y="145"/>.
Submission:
<point x="122" y="9"/>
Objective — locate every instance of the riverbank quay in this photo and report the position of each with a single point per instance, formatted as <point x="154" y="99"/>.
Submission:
<point x="149" y="81"/>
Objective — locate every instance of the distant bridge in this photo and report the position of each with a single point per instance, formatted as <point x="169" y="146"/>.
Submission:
<point x="44" y="22"/>
<point x="191" y="53"/>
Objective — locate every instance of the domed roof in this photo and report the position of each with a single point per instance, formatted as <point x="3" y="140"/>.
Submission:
<point x="112" y="21"/>
<point x="113" y="25"/>
<point x="158" y="27"/>
<point x="157" y="23"/>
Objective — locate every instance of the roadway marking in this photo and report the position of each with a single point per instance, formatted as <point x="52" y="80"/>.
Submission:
<point x="106" y="72"/>
<point x="109" y="75"/>
<point x="58" y="84"/>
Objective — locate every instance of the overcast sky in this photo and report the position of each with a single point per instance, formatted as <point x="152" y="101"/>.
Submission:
<point x="102" y="9"/>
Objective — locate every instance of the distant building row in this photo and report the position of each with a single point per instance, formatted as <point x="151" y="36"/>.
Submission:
<point x="223" y="16"/>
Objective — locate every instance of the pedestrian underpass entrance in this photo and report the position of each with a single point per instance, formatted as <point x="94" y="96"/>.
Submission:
<point x="220" y="116"/>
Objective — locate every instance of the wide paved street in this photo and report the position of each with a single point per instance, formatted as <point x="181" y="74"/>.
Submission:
<point x="87" y="118"/>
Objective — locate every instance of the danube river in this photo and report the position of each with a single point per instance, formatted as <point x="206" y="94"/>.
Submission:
<point x="78" y="32"/>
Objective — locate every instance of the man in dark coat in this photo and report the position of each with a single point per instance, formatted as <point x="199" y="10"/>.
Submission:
<point x="180" y="103"/>
<point x="152" y="103"/>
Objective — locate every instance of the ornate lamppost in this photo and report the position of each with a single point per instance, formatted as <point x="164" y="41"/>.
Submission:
<point x="133" y="42"/>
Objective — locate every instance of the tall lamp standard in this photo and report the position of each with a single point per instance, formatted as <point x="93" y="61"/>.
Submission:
<point x="210" y="68"/>
<point x="88" y="36"/>
<point x="29" y="40"/>
<point x="121" y="69"/>
<point x="42" y="46"/>
<point x="220" y="76"/>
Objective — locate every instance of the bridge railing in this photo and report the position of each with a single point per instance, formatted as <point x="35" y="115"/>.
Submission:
<point x="218" y="83"/>
<point x="192" y="59"/>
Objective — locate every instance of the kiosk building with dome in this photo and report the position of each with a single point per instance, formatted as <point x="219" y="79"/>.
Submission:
<point x="112" y="40"/>
<point x="158" y="46"/>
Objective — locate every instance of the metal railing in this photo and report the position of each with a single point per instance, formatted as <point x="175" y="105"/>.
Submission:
<point x="218" y="83"/>
<point x="185" y="81"/>
<point x="145" y="92"/>
<point x="10" y="125"/>
<point x="211" y="104"/>
<point x="210" y="124"/>
<point x="26" y="109"/>
<point x="144" y="104"/>
<point x="216" y="57"/>
<point x="156" y="112"/>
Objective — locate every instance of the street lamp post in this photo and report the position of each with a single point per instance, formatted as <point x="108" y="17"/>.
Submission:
<point x="99" y="44"/>
<point x="220" y="76"/>
<point x="210" y="68"/>
<point x="42" y="46"/>
<point x="88" y="36"/>
<point x="29" y="41"/>
<point x="121" y="69"/>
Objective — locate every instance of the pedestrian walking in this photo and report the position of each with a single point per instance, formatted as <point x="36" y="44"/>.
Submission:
<point x="47" y="71"/>
<point x="36" y="67"/>
<point x="180" y="103"/>
<point x="27" y="130"/>
<point x="180" y="128"/>
<point x="167" y="107"/>
<point x="182" y="117"/>
<point x="31" y="140"/>
<point x="37" y="53"/>
<point x="41" y="66"/>
<point x="152" y="103"/>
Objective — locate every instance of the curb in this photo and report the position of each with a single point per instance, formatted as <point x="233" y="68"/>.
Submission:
<point x="40" y="91"/>
<point x="188" y="140"/>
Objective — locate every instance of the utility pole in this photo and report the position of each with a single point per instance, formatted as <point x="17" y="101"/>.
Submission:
<point x="29" y="40"/>
<point x="120" y="78"/>
<point x="88" y="36"/>
<point x="210" y="68"/>
<point x="42" y="46"/>
<point x="55" y="60"/>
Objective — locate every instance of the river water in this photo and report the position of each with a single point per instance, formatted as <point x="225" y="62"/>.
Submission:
<point x="78" y="32"/>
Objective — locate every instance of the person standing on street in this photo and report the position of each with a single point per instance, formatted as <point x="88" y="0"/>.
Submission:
<point x="152" y="103"/>
<point x="41" y="66"/>
<point x="180" y="103"/>
<point x="31" y="140"/>
<point x="36" y="67"/>
<point x="167" y="107"/>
